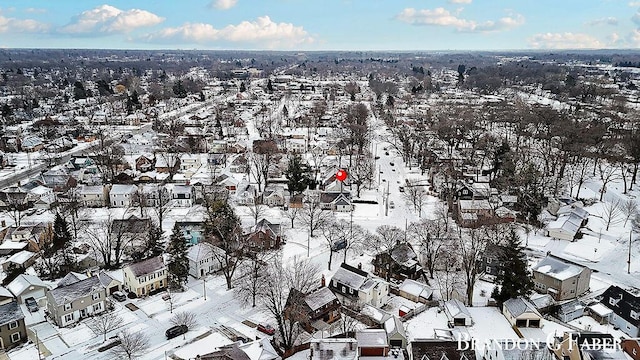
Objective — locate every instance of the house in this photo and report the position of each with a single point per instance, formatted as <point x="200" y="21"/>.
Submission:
<point x="42" y="197"/>
<point x="190" y="162"/>
<point x="110" y="283"/>
<point x="521" y="313"/>
<point x="567" y="227"/>
<point x="357" y="287"/>
<point x="31" y="143"/>
<point x="571" y="310"/>
<point x="415" y="291"/>
<point x="246" y="194"/>
<point x="58" y="180"/>
<point x="314" y="311"/>
<point x="372" y="342"/>
<point x="167" y="163"/>
<point x="600" y="313"/>
<point x="324" y="349"/>
<point x="203" y="259"/>
<point x="457" y="313"/>
<point x="26" y="286"/>
<point x="28" y="237"/>
<point x="228" y="182"/>
<point x="153" y="195"/>
<point x="73" y="302"/>
<point x="145" y="163"/>
<point x="182" y="195"/>
<point x="437" y="349"/>
<point x="586" y="345"/>
<point x="401" y="263"/>
<point x="20" y="260"/>
<point x="631" y="347"/>
<point x="146" y="276"/>
<point x="273" y="195"/>
<point x="122" y="195"/>
<point x="93" y="196"/>
<point x="336" y="201"/>
<point x="13" y="330"/>
<point x="471" y="211"/>
<point x="78" y="163"/>
<point x="626" y="309"/>
<point x="561" y="278"/>
<point x="265" y="235"/>
<point x="395" y="332"/>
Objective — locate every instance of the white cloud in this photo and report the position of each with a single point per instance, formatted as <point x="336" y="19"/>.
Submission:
<point x="565" y="41"/>
<point x="603" y="21"/>
<point x="35" y="10"/>
<point x="634" y="3"/>
<point x="14" y="25"/>
<point x="263" y="30"/>
<point x="442" y="17"/>
<point x="460" y="1"/>
<point x="109" y="19"/>
<point x="224" y="4"/>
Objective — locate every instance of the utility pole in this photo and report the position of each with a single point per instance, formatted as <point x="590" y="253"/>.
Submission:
<point x="629" y="259"/>
<point x="38" y="344"/>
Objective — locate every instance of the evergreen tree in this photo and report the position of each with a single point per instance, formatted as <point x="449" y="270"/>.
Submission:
<point x="155" y="245"/>
<point x="269" y="86"/>
<point x="243" y="87"/>
<point x="61" y="233"/>
<point x="297" y="175"/>
<point x="178" y="266"/>
<point x="179" y="90"/>
<point x="513" y="277"/>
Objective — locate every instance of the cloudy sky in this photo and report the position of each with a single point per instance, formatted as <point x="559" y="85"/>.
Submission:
<point x="321" y="24"/>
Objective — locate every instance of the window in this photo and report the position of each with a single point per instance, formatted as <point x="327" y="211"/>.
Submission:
<point x="13" y="325"/>
<point x="95" y="296"/>
<point x="634" y="351"/>
<point x="68" y="306"/>
<point x="68" y="317"/>
<point x="97" y="307"/>
<point x="344" y="290"/>
<point x="635" y="315"/>
<point x="15" y="337"/>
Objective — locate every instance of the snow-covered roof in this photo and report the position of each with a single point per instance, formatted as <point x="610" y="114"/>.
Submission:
<point x="147" y="266"/>
<point x="260" y="350"/>
<point x="20" y="257"/>
<point x="600" y="309"/>
<point x="371" y="338"/>
<point x="416" y="288"/>
<point x="341" y="349"/>
<point x="558" y="268"/>
<point x="474" y="205"/>
<point x="201" y="251"/>
<point x="394" y="326"/>
<point x="123" y="189"/>
<point x="10" y="312"/>
<point x="349" y="278"/>
<point x="92" y="190"/>
<point x="23" y="282"/>
<point x="520" y="306"/>
<point x="456" y="309"/>
<point x="319" y="298"/>
<point x="69" y="293"/>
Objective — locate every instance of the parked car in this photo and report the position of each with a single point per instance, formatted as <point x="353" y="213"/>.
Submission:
<point x="392" y="205"/>
<point x="166" y="296"/>
<point x="391" y="164"/>
<point x="401" y="188"/>
<point x="176" y="331"/>
<point x="31" y="303"/>
<point x="339" y="245"/>
<point x="119" y="296"/>
<point x="267" y="329"/>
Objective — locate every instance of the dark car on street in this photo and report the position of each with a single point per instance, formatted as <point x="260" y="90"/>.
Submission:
<point x="119" y="296"/>
<point x="31" y="303"/>
<point x="176" y="331"/>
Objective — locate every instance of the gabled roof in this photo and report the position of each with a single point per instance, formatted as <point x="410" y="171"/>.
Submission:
<point x="558" y="268"/>
<point x="120" y="189"/>
<point x="369" y="338"/>
<point x="147" y="266"/>
<point x="416" y="288"/>
<point x="10" y="312"/>
<point x="23" y="282"/>
<point x="519" y="306"/>
<point x="82" y="288"/>
<point x="202" y="251"/>
<point x="394" y="326"/>
<point x="456" y="309"/>
<point x="71" y="278"/>
<point x="319" y="298"/>
<point x="350" y="276"/>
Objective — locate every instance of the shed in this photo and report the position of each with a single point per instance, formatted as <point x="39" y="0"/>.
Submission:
<point x="457" y="313"/>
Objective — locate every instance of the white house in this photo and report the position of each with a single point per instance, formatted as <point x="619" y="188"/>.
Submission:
<point x="191" y="162"/>
<point x="122" y="195"/>
<point x="93" y="196"/>
<point x="353" y="285"/>
<point x="182" y="195"/>
<point x="202" y="259"/>
<point x="25" y="286"/>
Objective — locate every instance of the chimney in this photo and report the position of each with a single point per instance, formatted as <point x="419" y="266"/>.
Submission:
<point x="322" y="281"/>
<point x="359" y="266"/>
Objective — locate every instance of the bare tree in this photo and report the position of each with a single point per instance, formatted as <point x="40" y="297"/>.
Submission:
<point x="386" y="239"/>
<point x="249" y="285"/>
<point x="110" y="238"/>
<point x="471" y="248"/>
<point x="357" y="239"/>
<point x="630" y="209"/>
<point x="611" y="211"/>
<point x="431" y="235"/>
<point x="578" y="175"/>
<point x="313" y="216"/>
<point x="449" y="279"/>
<point x="103" y="324"/>
<point x="222" y="229"/>
<point x="265" y="153"/>
<point x="416" y="195"/>
<point x="292" y="213"/>
<point x="184" y="318"/>
<point x="132" y="345"/>
<point x="362" y="172"/>
<point x="335" y="232"/>
<point x="608" y="173"/>
<point x="257" y="210"/>
<point x="281" y="280"/>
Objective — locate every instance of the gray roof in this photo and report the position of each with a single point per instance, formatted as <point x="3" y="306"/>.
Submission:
<point x="71" y="278"/>
<point x="558" y="268"/>
<point x="105" y="279"/>
<point x="520" y="306"/>
<point x="349" y="278"/>
<point x="82" y="288"/>
<point x="147" y="266"/>
<point x="23" y="282"/>
<point x="371" y="338"/>
<point x="319" y="298"/>
<point x="455" y="308"/>
<point x="10" y="312"/>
